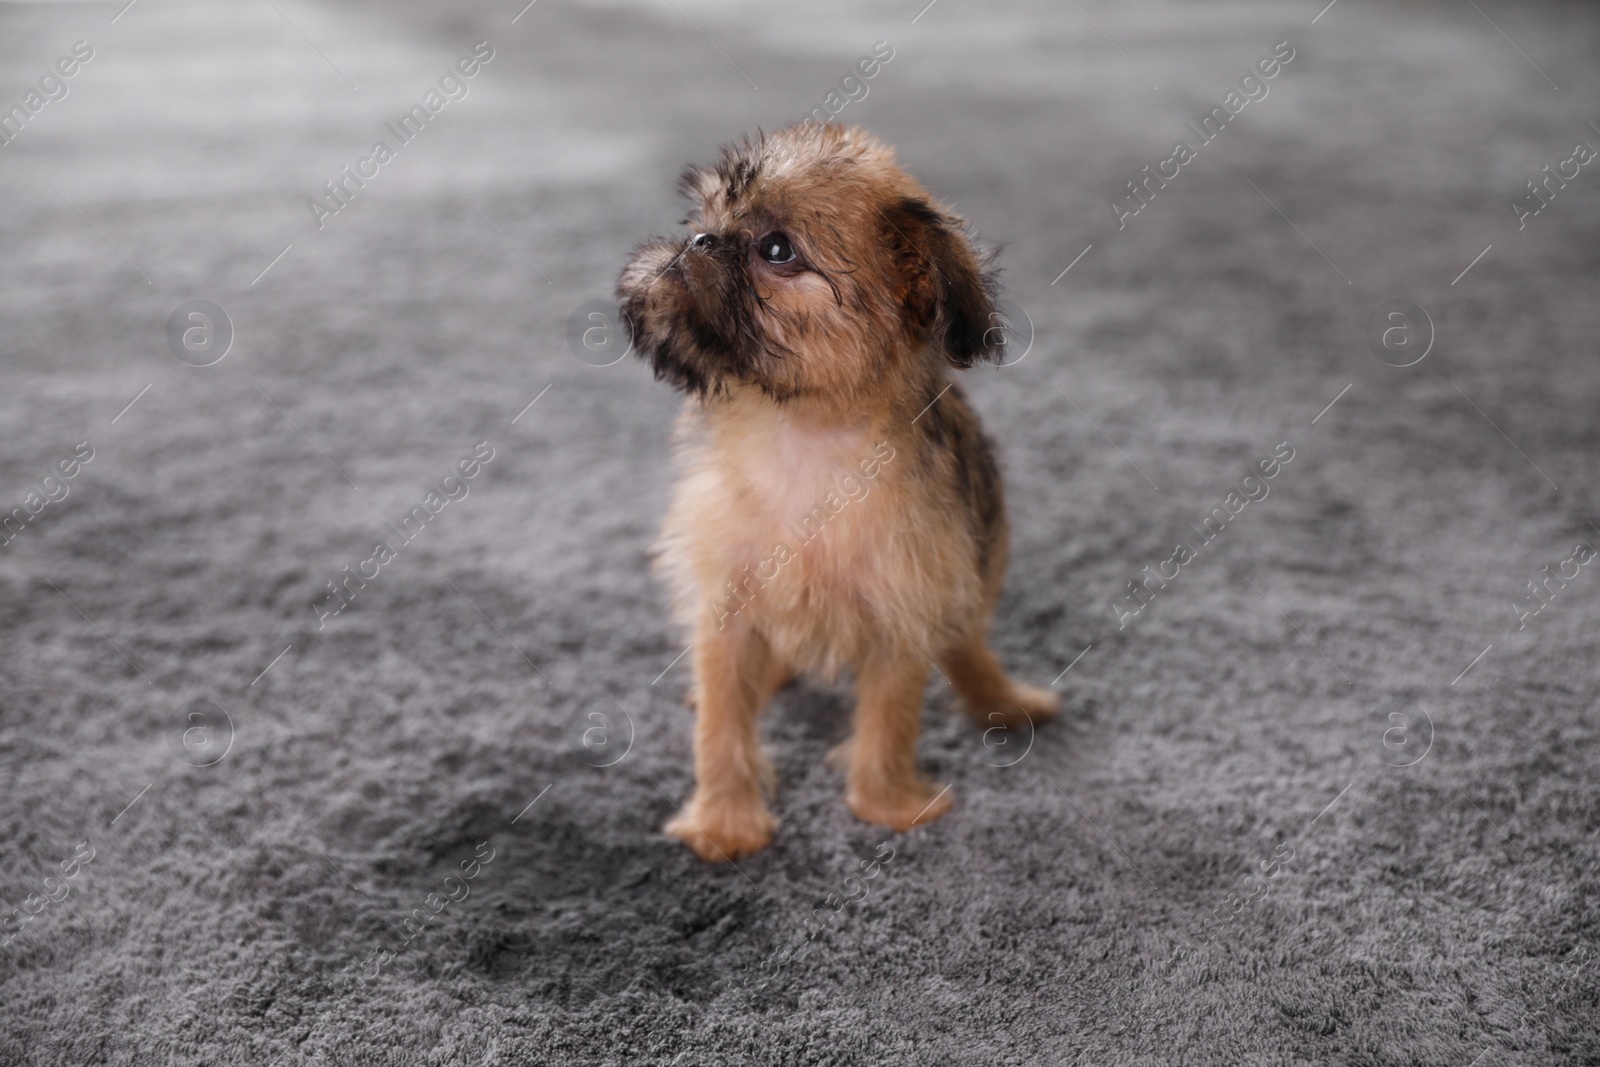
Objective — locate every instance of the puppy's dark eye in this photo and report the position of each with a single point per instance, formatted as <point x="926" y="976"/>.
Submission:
<point x="775" y="248"/>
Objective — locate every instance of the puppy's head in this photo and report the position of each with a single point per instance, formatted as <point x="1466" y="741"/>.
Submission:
<point x="814" y="266"/>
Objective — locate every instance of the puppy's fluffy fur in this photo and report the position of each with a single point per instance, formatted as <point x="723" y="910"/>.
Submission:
<point x="839" y="504"/>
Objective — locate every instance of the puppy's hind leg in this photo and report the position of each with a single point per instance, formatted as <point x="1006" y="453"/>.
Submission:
<point x="884" y="786"/>
<point x="727" y="817"/>
<point x="992" y="699"/>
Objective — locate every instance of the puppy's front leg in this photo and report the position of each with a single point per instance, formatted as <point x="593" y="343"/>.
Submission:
<point x="735" y="675"/>
<point x="884" y="786"/>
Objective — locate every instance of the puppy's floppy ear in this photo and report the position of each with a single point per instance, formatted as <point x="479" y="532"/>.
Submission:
<point x="948" y="297"/>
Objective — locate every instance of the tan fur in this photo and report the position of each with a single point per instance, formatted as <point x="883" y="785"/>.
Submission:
<point x="838" y="507"/>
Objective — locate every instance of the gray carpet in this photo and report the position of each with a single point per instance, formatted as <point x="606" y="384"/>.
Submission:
<point x="1320" y="801"/>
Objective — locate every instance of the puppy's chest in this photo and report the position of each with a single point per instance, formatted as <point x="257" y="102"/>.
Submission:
<point x="813" y="489"/>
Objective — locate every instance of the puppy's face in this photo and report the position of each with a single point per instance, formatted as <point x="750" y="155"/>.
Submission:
<point x="814" y="267"/>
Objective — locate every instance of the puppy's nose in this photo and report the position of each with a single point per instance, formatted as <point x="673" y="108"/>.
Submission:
<point x="703" y="241"/>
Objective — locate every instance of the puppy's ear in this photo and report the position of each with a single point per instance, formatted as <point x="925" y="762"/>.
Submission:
<point x="948" y="297"/>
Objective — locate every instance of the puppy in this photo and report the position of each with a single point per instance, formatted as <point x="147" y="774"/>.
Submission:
<point x="839" y="504"/>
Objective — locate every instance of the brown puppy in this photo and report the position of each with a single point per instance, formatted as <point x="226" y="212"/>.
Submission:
<point x="839" y="504"/>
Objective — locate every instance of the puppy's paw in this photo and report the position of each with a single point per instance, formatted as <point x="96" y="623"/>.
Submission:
<point x="723" y="831"/>
<point x="1027" y="704"/>
<point x="901" y="809"/>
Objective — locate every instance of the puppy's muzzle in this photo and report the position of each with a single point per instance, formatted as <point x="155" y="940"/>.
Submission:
<point x="706" y="243"/>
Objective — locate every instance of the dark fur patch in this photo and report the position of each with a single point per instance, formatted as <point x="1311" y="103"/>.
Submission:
<point x="739" y="175"/>
<point x="950" y="428"/>
<point x="984" y="493"/>
<point x="709" y="334"/>
<point x="947" y="297"/>
<point x="935" y="423"/>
